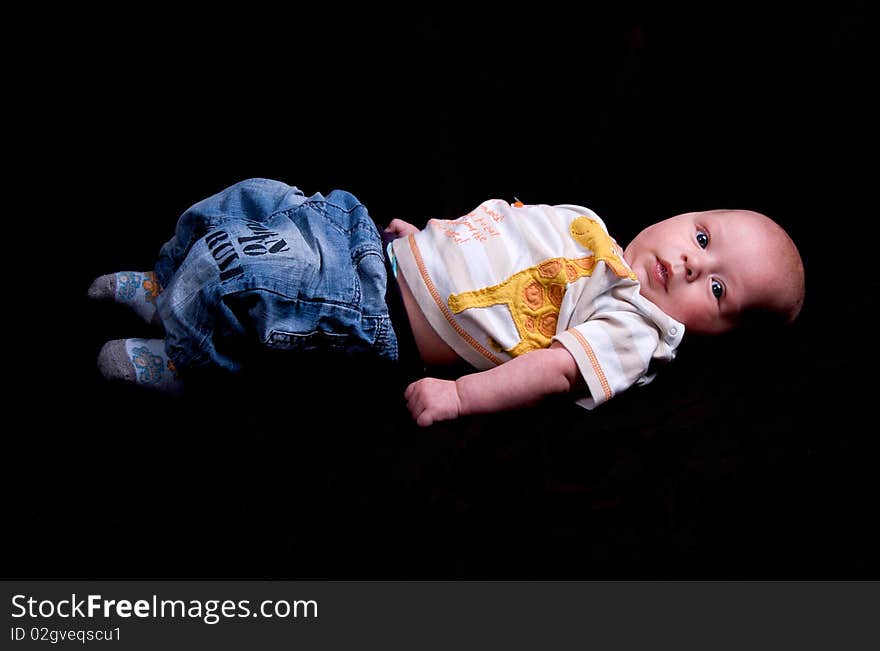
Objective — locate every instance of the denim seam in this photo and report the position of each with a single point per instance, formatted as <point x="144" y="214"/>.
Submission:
<point x="320" y="207"/>
<point x="297" y="299"/>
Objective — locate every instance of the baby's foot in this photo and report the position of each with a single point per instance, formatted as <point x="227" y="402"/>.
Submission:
<point x="142" y="361"/>
<point x="137" y="289"/>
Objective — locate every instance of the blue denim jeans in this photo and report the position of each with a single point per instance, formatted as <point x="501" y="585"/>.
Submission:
<point x="262" y="264"/>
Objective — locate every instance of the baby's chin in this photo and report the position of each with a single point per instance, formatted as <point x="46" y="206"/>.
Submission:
<point x="657" y="298"/>
<point x="645" y="288"/>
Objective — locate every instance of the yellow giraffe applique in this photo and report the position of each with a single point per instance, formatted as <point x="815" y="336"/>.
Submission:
<point x="534" y="295"/>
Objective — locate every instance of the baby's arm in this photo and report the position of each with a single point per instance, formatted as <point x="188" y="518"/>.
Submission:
<point x="400" y="228"/>
<point x="520" y="382"/>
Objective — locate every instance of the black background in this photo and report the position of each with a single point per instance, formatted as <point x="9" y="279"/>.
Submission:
<point x="749" y="459"/>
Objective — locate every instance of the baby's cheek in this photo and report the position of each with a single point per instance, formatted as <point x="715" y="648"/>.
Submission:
<point x="686" y="306"/>
<point x="701" y="318"/>
<point x="673" y="304"/>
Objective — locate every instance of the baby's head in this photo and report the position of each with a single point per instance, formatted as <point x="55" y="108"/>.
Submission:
<point x="719" y="269"/>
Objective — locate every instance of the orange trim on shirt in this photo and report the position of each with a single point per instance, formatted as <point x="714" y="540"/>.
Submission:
<point x="423" y="270"/>
<point x="594" y="361"/>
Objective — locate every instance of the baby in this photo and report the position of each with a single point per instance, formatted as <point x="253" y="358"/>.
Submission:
<point x="260" y="264"/>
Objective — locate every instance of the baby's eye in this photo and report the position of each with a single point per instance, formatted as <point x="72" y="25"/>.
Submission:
<point x="717" y="289"/>
<point x="702" y="239"/>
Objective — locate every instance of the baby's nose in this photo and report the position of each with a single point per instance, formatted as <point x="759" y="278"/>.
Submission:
<point x="692" y="266"/>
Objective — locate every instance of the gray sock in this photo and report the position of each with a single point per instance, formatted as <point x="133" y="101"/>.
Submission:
<point x="142" y="361"/>
<point x="136" y="289"/>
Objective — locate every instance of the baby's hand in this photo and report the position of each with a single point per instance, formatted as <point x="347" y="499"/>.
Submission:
<point x="430" y="400"/>
<point x="400" y="228"/>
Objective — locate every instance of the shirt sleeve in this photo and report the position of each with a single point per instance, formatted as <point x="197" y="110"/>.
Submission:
<point x="612" y="350"/>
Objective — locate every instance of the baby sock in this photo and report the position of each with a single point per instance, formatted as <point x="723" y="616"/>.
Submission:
<point x="142" y="361"/>
<point x="137" y="289"/>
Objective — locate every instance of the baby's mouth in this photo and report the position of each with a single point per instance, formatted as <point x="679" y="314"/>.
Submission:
<point x="661" y="273"/>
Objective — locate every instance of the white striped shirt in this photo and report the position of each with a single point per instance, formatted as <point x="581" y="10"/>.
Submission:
<point x="506" y="279"/>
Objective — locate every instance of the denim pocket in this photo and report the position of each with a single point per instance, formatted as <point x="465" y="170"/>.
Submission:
<point x="308" y="341"/>
<point x="304" y="325"/>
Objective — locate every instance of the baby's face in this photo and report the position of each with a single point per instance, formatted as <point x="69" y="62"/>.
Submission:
<point x="705" y="268"/>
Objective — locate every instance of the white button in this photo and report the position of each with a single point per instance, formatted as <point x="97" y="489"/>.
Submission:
<point x="673" y="331"/>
